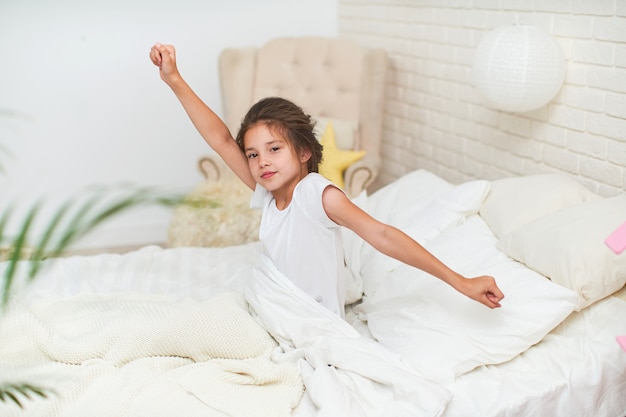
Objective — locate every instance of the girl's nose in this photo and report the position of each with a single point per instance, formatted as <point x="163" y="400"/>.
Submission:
<point x="263" y="162"/>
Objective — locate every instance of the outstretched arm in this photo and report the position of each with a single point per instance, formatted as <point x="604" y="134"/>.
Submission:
<point x="208" y="124"/>
<point x="397" y="244"/>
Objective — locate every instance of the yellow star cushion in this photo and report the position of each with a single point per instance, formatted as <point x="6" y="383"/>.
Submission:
<point x="334" y="160"/>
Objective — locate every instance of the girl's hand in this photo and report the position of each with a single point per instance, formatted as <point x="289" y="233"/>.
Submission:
<point x="164" y="57"/>
<point x="484" y="290"/>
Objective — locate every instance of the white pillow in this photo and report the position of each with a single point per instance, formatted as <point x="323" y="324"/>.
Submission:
<point x="447" y="210"/>
<point x="426" y="217"/>
<point x="345" y="131"/>
<point x="568" y="247"/>
<point x="446" y="334"/>
<point x="397" y="202"/>
<point x="513" y="202"/>
<point x="419" y="203"/>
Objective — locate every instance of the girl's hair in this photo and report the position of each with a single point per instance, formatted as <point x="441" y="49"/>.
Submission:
<point x="287" y="119"/>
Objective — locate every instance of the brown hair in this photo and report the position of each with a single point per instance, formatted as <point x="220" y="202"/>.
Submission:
<point x="290" y="121"/>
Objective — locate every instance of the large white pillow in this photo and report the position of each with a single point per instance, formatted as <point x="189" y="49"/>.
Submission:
<point x="397" y="202"/>
<point x="438" y="207"/>
<point x="568" y="247"/>
<point x="446" y="334"/>
<point x="513" y="202"/>
<point x="423" y="204"/>
<point x="448" y="209"/>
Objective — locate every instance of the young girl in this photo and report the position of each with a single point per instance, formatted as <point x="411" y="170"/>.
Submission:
<point x="276" y="154"/>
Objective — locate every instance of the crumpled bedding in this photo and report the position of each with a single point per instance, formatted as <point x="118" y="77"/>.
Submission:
<point x="580" y="354"/>
<point x="411" y="346"/>
<point x="345" y="374"/>
<point x="211" y="349"/>
<point x="151" y="355"/>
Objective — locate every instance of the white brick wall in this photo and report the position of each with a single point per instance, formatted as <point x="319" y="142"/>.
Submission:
<point x="435" y="118"/>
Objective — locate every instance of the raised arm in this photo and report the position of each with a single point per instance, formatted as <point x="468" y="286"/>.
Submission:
<point x="208" y="124"/>
<point x="397" y="244"/>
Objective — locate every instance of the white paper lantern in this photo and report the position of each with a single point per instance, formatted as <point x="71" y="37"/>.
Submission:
<point x="518" y="68"/>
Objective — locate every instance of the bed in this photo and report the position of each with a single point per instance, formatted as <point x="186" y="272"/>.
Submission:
<point x="220" y="332"/>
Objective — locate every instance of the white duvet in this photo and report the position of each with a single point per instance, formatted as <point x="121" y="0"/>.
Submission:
<point x="345" y="373"/>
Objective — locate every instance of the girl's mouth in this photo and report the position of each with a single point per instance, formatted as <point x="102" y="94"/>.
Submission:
<point x="268" y="174"/>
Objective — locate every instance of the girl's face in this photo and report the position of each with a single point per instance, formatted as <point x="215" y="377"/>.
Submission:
<point x="273" y="161"/>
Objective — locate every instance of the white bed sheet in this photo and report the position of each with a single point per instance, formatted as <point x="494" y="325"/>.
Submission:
<point x="577" y="370"/>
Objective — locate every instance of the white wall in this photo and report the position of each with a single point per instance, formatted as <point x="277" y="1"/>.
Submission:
<point x="436" y="119"/>
<point x="81" y="104"/>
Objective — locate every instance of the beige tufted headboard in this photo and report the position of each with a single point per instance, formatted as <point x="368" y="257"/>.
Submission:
<point x="329" y="78"/>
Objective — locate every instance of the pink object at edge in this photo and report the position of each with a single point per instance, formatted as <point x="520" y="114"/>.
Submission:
<point x="622" y="342"/>
<point x="617" y="240"/>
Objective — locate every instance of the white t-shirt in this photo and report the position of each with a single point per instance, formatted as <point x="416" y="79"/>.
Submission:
<point x="303" y="242"/>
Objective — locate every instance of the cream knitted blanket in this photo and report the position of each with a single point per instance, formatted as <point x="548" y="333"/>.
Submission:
<point x="131" y="354"/>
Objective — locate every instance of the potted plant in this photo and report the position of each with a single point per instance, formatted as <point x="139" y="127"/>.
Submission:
<point x="71" y="221"/>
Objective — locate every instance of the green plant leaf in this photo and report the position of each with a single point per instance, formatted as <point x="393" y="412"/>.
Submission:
<point x="16" y="252"/>
<point x="13" y="392"/>
<point x="39" y="252"/>
<point x="71" y="221"/>
<point x="74" y="219"/>
<point x="3" y="222"/>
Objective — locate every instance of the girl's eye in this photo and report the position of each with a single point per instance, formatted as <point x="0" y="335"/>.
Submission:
<point x="275" y="148"/>
<point x="251" y="155"/>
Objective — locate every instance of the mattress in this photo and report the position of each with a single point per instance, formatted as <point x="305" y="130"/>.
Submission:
<point x="218" y="331"/>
